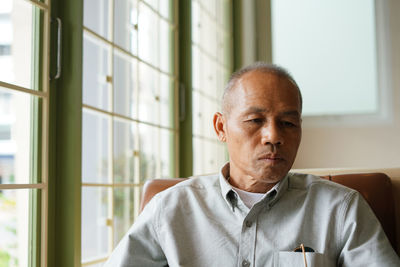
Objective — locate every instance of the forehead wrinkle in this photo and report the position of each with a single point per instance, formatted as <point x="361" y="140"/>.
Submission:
<point x="255" y="110"/>
<point x="291" y="113"/>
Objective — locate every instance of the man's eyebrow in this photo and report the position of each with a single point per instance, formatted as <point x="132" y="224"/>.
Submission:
<point x="284" y="113"/>
<point x="291" y="113"/>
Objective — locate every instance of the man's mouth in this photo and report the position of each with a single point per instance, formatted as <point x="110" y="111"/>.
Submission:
<point x="271" y="157"/>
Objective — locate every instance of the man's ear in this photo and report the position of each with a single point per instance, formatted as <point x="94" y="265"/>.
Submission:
<point x="219" y="126"/>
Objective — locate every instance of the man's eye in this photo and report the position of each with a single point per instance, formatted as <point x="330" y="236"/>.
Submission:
<point x="288" y="124"/>
<point x="256" y="120"/>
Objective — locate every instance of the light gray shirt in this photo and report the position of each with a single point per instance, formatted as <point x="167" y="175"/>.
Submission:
<point x="203" y="222"/>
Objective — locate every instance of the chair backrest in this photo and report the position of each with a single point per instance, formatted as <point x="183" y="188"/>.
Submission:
<point x="376" y="188"/>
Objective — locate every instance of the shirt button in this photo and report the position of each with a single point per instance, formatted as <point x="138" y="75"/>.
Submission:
<point x="245" y="263"/>
<point x="248" y="223"/>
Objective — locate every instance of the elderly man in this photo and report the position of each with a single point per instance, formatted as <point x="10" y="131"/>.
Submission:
<point x="254" y="212"/>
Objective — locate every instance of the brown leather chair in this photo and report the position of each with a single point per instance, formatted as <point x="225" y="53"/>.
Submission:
<point x="376" y="188"/>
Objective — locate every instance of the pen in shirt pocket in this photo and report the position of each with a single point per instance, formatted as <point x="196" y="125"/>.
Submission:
<point x="303" y="249"/>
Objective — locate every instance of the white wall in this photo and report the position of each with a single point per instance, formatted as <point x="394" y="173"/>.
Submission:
<point x="371" y="146"/>
<point x="354" y="144"/>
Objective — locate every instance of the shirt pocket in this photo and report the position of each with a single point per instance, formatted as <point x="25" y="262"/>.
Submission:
<point x="295" y="259"/>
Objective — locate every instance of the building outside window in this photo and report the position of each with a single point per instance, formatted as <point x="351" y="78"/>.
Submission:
<point x="24" y="101"/>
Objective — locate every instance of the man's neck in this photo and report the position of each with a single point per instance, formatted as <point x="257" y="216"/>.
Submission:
<point x="249" y="184"/>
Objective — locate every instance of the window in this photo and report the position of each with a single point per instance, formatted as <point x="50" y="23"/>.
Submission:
<point x="24" y="102"/>
<point x="212" y="40"/>
<point x="129" y="128"/>
<point x="130" y="132"/>
<point x="331" y="50"/>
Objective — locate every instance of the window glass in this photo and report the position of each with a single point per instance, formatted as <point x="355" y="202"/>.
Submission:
<point x="24" y="103"/>
<point x="149" y="34"/>
<point x="211" y="65"/>
<point x="124" y="211"/>
<point x="17" y="60"/>
<point x="125" y="84"/>
<point x="95" y="222"/>
<point x="128" y="124"/>
<point x="126" y="25"/>
<point x="96" y="16"/>
<point x="14" y="226"/>
<point x="149" y="98"/>
<point x="167" y="101"/>
<point x="124" y="151"/>
<point x="166" y="153"/>
<point x="149" y="152"/>
<point x="95" y="147"/>
<point x="96" y="72"/>
<point x="17" y="119"/>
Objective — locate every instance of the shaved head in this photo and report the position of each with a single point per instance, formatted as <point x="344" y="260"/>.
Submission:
<point x="227" y="102"/>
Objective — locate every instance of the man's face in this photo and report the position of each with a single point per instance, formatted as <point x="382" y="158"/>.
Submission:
<point x="262" y="127"/>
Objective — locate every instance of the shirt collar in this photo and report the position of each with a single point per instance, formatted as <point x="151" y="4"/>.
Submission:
<point x="227" y="191"/>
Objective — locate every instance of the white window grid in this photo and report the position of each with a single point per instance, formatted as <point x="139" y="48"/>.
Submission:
<point x="215" y="55"/>
<point x="113" y="116"/>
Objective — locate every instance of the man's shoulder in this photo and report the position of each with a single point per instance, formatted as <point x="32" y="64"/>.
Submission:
<point x="302" y="181"/>
<point x="192" y="184"/>
<point x="187" y="194"/>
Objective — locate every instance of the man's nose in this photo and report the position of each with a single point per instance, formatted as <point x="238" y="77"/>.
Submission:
<point x="271" y="134"/>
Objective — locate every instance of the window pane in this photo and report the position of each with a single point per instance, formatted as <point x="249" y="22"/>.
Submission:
<point x="198" y="120"/>
<point x="209" y="155"/>
<point x="148" y="35"/>
<point x="95" y="147"/>
<point x="196" y="22"/>
<point x="14" y="226"/>
<point x="123" y="211"/>
<point x="209" y="76"/>
<point x="211" y="66"/>
<point x="334" y="59"/>
<point x="166" y="9"/>
<point x="128" y="95"/>
<point x="96" y="73"/>
<point x="95" y="229"/>
<point x="203" y="112"/>
<point x="124" y="151"/>
<point x="149" y="152"/>
<point x="153" y="3"/>
<point x="166" y="153"/>
<point x="125" y="82"/>
<point x="126" y="24"/>
<point x="167" y="101"/>
<point x="18" y="48"/>
<point x="214" y="159"/>
<point x="166" y="47"/>
<point x="149" y="99"/>
<point x="197" y="67"/>
<point x="96" y="16"/>
<point x="18" y="122"/>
